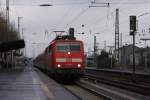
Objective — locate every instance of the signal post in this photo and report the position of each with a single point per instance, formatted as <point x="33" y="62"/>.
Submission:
<point x="132" y="32"/>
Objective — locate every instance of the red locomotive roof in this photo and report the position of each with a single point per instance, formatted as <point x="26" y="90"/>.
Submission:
<point x="65" y="38"/>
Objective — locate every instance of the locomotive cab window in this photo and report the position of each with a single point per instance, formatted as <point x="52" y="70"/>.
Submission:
<point x="62" y="47"/>
<point x="65" y="47"/>
<point x="74" y="47"/>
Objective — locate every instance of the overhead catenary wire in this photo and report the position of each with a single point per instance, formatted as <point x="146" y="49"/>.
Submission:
<point x="77" y="17"/>
<point x="98" y="20"/>
<point x="93" y="23"/>
<point x="102" y="25"/>
<point x="123" y="21"/>
<point x="115" y="3"/>
<point x="64" y="16"/>
<point x="81" y="13"/>
<point x="77" y="3"/>
<point x="119" y="4"/>
<point x="38" y="3"/>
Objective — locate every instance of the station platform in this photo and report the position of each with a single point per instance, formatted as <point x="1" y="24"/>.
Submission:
<point x="28" y="83"/>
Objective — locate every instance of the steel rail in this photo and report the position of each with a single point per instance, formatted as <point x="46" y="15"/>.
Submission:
<point x="144" y="90"/>
<point x="124" y="75"/>
<point x="87" y="88"/>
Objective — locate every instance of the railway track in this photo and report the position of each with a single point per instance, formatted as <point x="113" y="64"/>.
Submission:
<point x="83" y="92"/>
<point x="130" y="86"/>
<point x="141" y="78"/>
<point x="86" y="90"/>
<point x="92" y="87"/>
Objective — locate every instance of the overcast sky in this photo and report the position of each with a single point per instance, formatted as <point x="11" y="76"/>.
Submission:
<point x="74" y="13"/>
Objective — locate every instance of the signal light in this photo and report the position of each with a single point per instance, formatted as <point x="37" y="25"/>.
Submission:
<point x="71" y="31"/>
<point x="132" y="25"/>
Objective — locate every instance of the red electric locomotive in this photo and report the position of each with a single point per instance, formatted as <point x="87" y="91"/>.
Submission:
<point x="63" y="58"/>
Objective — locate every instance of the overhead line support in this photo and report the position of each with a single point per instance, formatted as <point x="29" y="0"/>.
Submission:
<point x="95" y="4"/>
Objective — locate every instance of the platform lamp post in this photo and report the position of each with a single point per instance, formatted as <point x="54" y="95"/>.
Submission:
<point x="145" y="40"/>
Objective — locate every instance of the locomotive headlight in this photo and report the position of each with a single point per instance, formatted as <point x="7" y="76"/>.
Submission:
<point x="58" y="65"/>
<point x="68" y="53"/>
<point x="79" y="65"/>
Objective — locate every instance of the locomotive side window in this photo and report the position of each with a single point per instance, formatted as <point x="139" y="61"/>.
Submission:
<point x="65" y="47"/>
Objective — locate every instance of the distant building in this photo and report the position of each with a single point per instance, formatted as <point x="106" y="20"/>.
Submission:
<point x="126" y="56"/>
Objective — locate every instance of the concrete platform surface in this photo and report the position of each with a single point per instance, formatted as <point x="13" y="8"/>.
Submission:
<point x="26" y="84"/>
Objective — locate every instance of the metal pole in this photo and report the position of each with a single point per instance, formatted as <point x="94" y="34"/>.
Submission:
<point x="120" y="39"/>
<point x="105" y="45"/>
<point x="133" y="52"/>
<point x="19" y="26"/>
<point x="111" y="57"/>
<point x="12" y="58"/>
<point x="117" y="36"/>
<point x="111" y="60"/>
<point x="7" y="11"/>
<point x="19" y="33"/>
<point x="7" y="28"/>
<point x="145" y="57"/>
<point x="95" y="50"/>
<point x="33" y="52"/>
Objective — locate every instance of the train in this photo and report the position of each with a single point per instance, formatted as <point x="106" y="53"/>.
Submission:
<point x="63" y="58"/>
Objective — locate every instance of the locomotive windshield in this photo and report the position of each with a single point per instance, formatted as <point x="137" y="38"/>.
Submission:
<point x="65" y="47"/>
